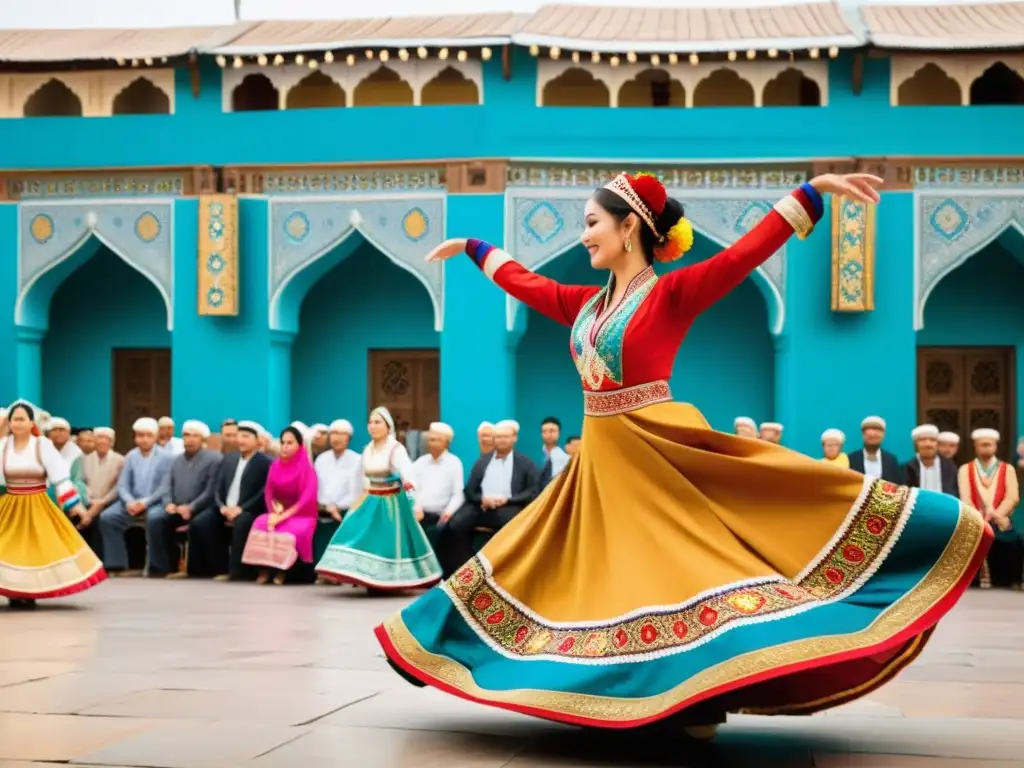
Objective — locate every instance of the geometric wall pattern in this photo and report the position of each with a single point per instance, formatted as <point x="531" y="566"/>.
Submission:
<point x="140" y="232"/>
<point x="404" y="229"/>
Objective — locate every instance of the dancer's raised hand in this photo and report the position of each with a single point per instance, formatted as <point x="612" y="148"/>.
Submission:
<point x="862" y="187"/>
<point x="447" y="249"/>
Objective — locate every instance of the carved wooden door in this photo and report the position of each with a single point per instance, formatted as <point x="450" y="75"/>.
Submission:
<point x="961" y="389"/>
<point x="142" y="387"/>
<point x="406" y="382"/>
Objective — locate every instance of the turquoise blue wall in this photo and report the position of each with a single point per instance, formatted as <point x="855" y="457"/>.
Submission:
<point x="8" y="296"/>
<point x="725" y="367"/>
<point x="103" y="305"/>
<point x="366" y="302"/>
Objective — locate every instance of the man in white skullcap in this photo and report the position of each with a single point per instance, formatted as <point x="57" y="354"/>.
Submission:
<point x="873" y="460"/>
<point x="60" y="435"/>
<point x="744" y="426"/>
<point x="485" y="436"/>
<point x="139" y="491"/>
<point x="321" y="437"/>
<point x="100" y="472"/>
<point x="499" y="486"/>
<point x="771" y="432"/>
<point x="990" y="485"/>
<point x="927" y="469"/>
<point x="339" y="475"/>
<point x="86" y="440"/>
<point x="165" y="438"/>
<point x="949" y="445"/>
<point x="187" y="497"/>
<point x="439" y="478"/>
<point x="832" y="441"/>
<point x="238" y="499"/>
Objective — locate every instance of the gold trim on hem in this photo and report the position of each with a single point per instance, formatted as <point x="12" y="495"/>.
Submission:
<point x="943" y="577"/>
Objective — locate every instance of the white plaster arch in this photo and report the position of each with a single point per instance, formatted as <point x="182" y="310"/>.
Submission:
<point x="758" y="73"/>
<point x="776" y="302"/>
<point x="921" y="296"/>
<point x="417" y="72"/>
<point x="115" y="81"/>
<point x="963" y="68"/>
<point x="355" y="225"/>
<point x="90" y="233"/>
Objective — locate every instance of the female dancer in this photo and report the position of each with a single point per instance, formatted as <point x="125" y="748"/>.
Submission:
<point x="284" y="533"/>
<point x="670" y="565"/>
<point x="41" y="553"/>
<point x="380" y="545"/>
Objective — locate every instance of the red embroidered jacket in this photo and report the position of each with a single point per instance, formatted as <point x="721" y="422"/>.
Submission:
<point x="637" y="341"/>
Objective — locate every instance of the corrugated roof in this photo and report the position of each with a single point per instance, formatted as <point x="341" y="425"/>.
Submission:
<point x="610" y="28"/>
<point x="959" y="26"/>
<point x="91" y="44"/>
<point x="285" y="36"/>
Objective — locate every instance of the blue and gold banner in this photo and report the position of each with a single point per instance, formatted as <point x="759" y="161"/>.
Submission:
<point x="853" y="256"/>
<point x="218" y="255"/>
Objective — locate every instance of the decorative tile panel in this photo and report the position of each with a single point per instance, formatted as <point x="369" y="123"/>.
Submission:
<point x="140" y="233"/>
<point x="591" y="177"/>
<point x="355" y="181"/>
<point x="853" y="256"/>
<point x="539" y="229"/>
<point x="114" y="185"/>
<point x="951" y="229"/>
<point x="1005" y="177"/>
<point x="218" y="255"/>
<point x="404" y="230"/>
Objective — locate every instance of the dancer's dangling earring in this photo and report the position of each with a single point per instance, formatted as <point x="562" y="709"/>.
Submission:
<point x="629" y="244"/>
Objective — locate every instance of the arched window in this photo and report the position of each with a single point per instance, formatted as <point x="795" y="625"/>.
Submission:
<point x="53" y="99"/>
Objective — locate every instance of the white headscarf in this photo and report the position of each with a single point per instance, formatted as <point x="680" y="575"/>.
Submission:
<point x="385" y="414"/>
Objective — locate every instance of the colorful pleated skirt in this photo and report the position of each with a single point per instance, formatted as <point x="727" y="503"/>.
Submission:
<point x="42" y="555"/>
<point x="380" y="544"/>
<point x="670" y="566"/>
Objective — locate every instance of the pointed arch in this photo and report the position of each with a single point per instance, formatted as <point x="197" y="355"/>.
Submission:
<point x="575" y="87"/>
<point x="1015" y="225"/>
<point x="256" y="93"/>
<point x="929" y="86"/>
<point x="316" y="90"/>
<point x="999" y="84"/>
<point x="141" y="97"/>
<point x="383" y="87"/>
<point x="724" y="88"/>
<point x="23" y="316"/>
<point x="791" y="88"/>
<point x="53" y="99"/>
<point x="449" y="86"/>
<point x="776" y="305"/>
<point x="278" y="323"/>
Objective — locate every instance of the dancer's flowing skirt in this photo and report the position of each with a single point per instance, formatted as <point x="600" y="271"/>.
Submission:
<point x="670" y="565"/>
<point x="381" y="545"/>
<point x="42" y="555"/>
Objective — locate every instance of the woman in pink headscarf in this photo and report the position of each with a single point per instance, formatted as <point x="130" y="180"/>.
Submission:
<point x="284" y="533"/>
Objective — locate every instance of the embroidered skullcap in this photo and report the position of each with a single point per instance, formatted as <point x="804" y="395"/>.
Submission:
<point x="146" y="425"/>
<point x="342" y="425"/>
<point x="442" y="429"/>
<point x="833" y="434"/>
<point x="772" y="425"/>
<point x="318" y="427"/>
<point x="104" y="432"/>
<point x="264" y="432"/>
<point x="508" y="424"/>
<point x="484" y="425"/>
<point x="195" y="427"/>
<point x="924" y="430"/>
<point x="43" y="420"/>
<point x="985" y="434"/>
<point x="385" y="414"/>
<point x="302" y="426"/>
<point x="59" y="423"/>
<point x="165" y="421"/>
<point x="744" y="421"/>
<point x="949" y="437"/>
<point x="251" y="426"/>
<point x="873" y="421"/>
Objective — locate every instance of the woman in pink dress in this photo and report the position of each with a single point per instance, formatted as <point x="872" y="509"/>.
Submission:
<point x="284" y="533"/>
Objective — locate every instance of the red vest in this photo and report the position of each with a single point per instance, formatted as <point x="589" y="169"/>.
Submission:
<point x="1000" y="487"/>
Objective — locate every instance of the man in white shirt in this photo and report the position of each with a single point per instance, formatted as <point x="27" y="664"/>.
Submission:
<point x="339" y="473"/>
<point x="439" y="478"/>
<point x="873" y="460"/>
<point x="555" y="459"/>
<point x="929" y="470"/>
<point x="949" y="445"/>
<point x="60" y="436"/>
<point x="165" y="438"/>
<point x="321" y="438"/>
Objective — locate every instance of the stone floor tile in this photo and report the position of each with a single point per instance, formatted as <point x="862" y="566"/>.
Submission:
<point x="62" y="738"/>
<point x="68" y="694"/>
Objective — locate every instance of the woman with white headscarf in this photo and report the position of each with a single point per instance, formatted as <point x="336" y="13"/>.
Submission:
<point x="380" y="545"/>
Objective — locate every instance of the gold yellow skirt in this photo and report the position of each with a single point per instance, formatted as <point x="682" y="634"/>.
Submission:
<point x="671" y="565"/>
<point x="42" y="555"/>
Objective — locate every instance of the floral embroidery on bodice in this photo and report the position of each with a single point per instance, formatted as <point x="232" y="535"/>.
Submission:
<point x="598" y="333"/>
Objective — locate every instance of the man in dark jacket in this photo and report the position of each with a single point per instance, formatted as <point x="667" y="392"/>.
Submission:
<point x="499" y="486"/>
<point x="928" y="469"/>
<point x="872" y="460"/>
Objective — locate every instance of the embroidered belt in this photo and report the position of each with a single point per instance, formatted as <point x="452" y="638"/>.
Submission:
<point x="385" y="491"/>
<point x="25" y="489"/>
<point x="627" y="399"/>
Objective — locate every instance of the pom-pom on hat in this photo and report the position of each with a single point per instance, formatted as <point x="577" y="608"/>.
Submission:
<point x="647" y="196"/>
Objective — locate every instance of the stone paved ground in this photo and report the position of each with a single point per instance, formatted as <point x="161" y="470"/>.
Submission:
<point x="197" y="674"/>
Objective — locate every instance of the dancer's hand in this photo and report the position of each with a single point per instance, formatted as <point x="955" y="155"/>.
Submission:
<point x="447" y="249"/>
<point x="862" y="187"/>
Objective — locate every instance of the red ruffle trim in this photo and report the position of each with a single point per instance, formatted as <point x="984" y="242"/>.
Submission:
<point x="81" y="586"/>
<point x="894" y="643"/>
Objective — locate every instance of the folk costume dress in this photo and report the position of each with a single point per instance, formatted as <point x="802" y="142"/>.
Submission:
<point x="671" y="565"/>
<point x="380" y="544"/>
<point x="42" y="555"/>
